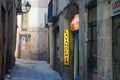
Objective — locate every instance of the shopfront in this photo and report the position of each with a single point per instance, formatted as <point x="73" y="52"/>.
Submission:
<point x="74" y="29"/>
<point x="115" y="14"/>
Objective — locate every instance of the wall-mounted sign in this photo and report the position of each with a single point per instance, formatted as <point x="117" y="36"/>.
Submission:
<point x="66" y="47"/>
<point x="115" y="7"/>
<point x="75" y="23"/>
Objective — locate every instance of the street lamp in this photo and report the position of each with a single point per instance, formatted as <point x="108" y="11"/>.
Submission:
<point x="28" y="6"/>
<point x="25" y="6"/>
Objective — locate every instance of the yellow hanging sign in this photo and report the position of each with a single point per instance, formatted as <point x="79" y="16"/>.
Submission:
<point x="66" y="47"/>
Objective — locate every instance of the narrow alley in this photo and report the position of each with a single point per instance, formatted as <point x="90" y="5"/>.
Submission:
<point x="33" y="70"/>
<point x="59" y="39"/>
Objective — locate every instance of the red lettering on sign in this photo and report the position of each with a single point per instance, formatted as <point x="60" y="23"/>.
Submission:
<point x="66" y="48"/>
<point x="66" y="41"/>
<point x="66" y="61"/>
<point x="66" y="35"/>
<point x="65" y="31"/>
<point x="65" y="51"/>
<point x="66" y="54"/>
<point x="66" y="44"/>
<point x="116" y="4"/>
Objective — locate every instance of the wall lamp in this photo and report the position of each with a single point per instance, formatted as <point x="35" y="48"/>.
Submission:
<point x="23" y="6"/>
<point x="28" y="6"/>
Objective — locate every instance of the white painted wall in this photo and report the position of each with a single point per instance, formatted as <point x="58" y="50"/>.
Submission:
<point x="36" y="17"/>
<point x="36" y="14"/>
<point x="19" y="20"/>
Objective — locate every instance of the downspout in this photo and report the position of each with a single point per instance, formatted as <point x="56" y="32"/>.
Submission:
<point x="81" y="41"/>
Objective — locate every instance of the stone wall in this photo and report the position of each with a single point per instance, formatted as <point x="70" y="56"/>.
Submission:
<point x="104" y="38"/>
<point x="38" y="44"/>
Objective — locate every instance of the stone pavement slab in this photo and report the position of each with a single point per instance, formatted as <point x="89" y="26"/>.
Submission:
<point x="33" y="70"/>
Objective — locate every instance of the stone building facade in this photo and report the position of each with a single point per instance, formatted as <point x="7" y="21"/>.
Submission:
<point x="7" y="36"/>
<point x="60" y="20"/>
<point x="32" y="34"/>
<point x="96" y="28"/>
<point x="98" y="45"/>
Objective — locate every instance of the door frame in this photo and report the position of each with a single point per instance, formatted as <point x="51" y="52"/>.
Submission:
<point x="114" y="42"/>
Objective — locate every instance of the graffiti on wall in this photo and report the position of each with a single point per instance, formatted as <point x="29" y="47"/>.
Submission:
<point x="25" y="43"/>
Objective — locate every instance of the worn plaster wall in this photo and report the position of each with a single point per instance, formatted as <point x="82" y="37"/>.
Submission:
<point x="65" y="71"/>
<point x="51" y="45"/>
<point x="39" y="44"/>
<point x="63" y="3"/>
<point x="38" y="48"/>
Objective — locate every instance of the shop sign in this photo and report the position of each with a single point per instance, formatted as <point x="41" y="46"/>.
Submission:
<point x="75" y="23"/>
<point x="66" y="47"/>
<point x="115" y="7"/>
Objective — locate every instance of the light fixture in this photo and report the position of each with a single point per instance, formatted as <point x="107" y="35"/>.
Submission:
<point x="27" y="6"/>
<point x="23" y="6"/>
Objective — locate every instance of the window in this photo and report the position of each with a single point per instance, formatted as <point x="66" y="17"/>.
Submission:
<point x="92" y="44"/>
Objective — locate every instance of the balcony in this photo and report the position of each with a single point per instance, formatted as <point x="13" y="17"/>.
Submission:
<point x="52" y="17"/>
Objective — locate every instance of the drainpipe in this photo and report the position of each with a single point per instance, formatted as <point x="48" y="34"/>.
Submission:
<point x="82" y="40"/>
<point x="75" y="54"/>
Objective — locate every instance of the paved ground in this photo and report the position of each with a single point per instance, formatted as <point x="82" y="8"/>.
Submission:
<point x="33" y="70"/>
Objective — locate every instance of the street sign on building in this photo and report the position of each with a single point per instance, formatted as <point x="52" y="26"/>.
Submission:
<point x="115" y="7"/>
<point x="66" y="47"/>
<point x="75" y="23"/>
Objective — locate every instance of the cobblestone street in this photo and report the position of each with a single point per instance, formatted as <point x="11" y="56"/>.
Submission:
<point x="33" y="70"/>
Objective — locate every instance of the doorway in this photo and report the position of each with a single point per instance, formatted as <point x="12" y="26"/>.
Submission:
<point x="76" y="55"/>
<point x="92" y="44"/>
<point x="116" y="47"/>
<point x="92" y="52"/>
<point x="2" y="44"/>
